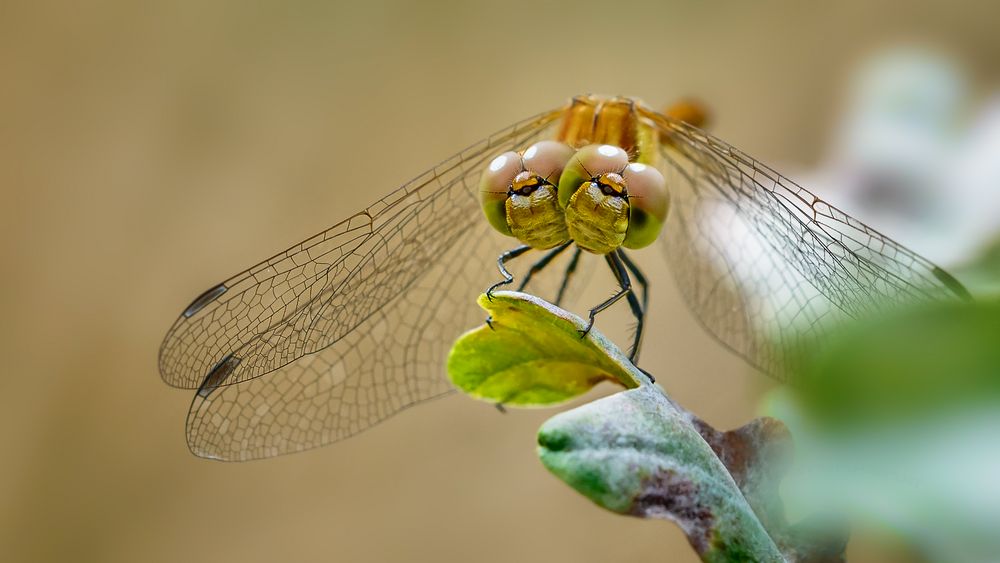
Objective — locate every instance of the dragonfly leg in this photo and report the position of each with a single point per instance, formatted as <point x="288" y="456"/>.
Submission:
<point x="647" y="374"/>
<point x="615" y="263"/>
<point x="638" y="310"/>
<point x="542" y="263"/>
<point x="570" y="269"/>
<point x="501" y="264"/>
<point x="640" y="278"/>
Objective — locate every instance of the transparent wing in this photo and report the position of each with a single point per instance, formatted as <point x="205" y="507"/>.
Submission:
<point x="393" y="359"/>
<point x="766" y="265"/>
<point x="313" y="294"/>
<point x="371" y="341"/>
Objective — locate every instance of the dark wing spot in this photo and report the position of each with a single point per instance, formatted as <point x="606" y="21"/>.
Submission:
<point x="218" y="374"/>
<point x="951" y="283"/>
<point x="204" y="299"/>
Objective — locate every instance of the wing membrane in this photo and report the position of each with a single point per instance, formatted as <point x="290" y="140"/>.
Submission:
<point x="393" y="359"/>
<point x="313" y="294"/>
<point x="765" y="264"/>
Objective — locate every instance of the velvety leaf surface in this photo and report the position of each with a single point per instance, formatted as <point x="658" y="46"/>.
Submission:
<point x="635" y="453"/>
<point x="639" y="454"/>
<point x="757" y="456"/>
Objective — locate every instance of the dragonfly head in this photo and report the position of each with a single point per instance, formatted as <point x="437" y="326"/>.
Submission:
<point x="614" y="202"/>
<point x="518" y="193"/>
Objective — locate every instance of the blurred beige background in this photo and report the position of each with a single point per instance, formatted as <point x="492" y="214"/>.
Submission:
<point x="149" y="150"/>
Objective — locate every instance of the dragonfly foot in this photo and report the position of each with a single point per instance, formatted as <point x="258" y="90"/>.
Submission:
<point x="489" y="322"/>
<point x="649" y="375"/>
<point x="492" y="288"/>
<point x="500" y="408"/>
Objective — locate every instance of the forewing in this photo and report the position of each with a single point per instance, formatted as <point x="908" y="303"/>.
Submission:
<point x="765" y="264"/>
<point x="393" y="359"/>
<point x="306" y="298"/>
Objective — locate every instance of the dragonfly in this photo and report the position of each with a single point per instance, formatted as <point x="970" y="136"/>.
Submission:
<point x="353" y="325"/>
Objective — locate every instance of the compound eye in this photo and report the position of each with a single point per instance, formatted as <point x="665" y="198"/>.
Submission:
<point x="587" y="165"/>
<point x="547" y="159"/>
<point x="647" y="189"/>
<point x="500" y="173"/>
<point x="601" y="159"/>
<point x="649" y="202"/>
<point x="493" y="187"/>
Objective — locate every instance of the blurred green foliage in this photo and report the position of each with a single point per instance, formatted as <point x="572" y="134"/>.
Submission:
<point x="896" y="419"/>
<point x="922" y="360"/>
<point x="982" y="275"/>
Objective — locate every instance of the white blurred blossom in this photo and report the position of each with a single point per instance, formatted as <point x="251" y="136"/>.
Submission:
<point x="908" y="162"/>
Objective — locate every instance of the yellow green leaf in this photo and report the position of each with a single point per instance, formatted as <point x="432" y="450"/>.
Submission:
<point x="532" y="354"/>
